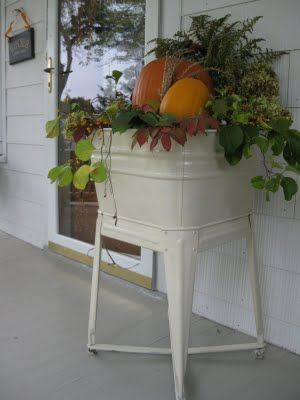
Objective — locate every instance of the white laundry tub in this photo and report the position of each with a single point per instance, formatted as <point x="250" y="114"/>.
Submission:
<point x="189" y="186"/>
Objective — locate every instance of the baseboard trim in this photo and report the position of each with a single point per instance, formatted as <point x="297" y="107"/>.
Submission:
<point x="111" y="269"/>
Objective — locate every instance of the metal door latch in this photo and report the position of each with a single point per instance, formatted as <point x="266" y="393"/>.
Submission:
<point x="49" y="70"/>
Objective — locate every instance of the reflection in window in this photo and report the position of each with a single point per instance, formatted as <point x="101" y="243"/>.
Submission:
<point x="95" y="38"/>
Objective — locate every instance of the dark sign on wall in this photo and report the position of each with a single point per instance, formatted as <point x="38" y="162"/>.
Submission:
<point x="21" y="46"/>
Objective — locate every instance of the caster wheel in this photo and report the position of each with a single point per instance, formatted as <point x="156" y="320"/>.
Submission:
<point x="93" y="352"/>
<point x="259" y="354"/>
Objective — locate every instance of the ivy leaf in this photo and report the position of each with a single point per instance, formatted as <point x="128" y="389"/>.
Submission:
<point x="98" y="172"/>
<point x="295" y="168"/>
<point x="166" y="141"/>
<point x="241" y="118"/>
<point x="220" y="107"/>
<point x="54" y="173"/>
<point x="84" y="149"/>
<point x="281" y="125"/>
<point x="247" y="151"/>
<point x="291" y="152"/>
<point x="234" y="158"/>
<point x="250" y="132"/>
<point x="231" y="138"/>
<point x="53" y="128"/>
<point x="81" y="177"/>
<point x="289" y="186"/>
<point x="122" y="121"/>
<point x="262" y="143"/>
<point x="149" y="118"/>
<point x="272" y="185"/>
<point x="258" y="182"/>
<point x="65" y="177"/>
<point x="278" y="145"/>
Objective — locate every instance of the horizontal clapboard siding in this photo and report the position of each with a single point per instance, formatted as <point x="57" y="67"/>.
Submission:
<point x="23" y="176"/>
<point x="222" y="289"/>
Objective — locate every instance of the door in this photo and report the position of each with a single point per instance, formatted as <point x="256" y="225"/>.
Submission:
<point x="87" y="40"/>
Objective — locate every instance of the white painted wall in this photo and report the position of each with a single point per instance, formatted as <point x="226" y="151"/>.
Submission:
<point x="222" y="291"/>
<point x="22" y="177"/>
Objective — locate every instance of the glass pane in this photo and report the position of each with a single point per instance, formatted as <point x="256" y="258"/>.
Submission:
<point x="95" y="37"/>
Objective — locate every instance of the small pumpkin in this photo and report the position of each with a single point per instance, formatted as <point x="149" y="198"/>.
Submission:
<point x="185" y="98"/>
<point x="149" y="83"/>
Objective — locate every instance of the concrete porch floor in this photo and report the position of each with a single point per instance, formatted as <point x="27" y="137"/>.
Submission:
<point x="44" y="301"/>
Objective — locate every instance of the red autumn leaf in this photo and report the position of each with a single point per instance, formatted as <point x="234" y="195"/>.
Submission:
<point x="166" y="141"/>
<point x="79" y="134"/>
<point x="165" y="129"/>
<point x="134" y="140"/>
<point x="142" y="136"/>
<point x="179" y="136"/>
<point x="153" y="131"/>
<point x="201" y="126"/>
<point x="192" y="127"/>
<point x="209" y="121"/>
<point x="155" y="141"/>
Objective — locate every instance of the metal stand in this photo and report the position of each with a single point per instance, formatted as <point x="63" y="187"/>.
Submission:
<point x="180" y="247"/>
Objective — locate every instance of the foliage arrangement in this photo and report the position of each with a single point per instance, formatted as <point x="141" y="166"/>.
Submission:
<point x="174" y="98"/>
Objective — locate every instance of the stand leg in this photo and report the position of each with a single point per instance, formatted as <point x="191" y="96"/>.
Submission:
<point x="180" y="265"/>
<point x="256" y="297"/>
<point x="95" y="283"/>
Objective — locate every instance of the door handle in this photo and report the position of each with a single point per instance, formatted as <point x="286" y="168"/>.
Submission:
<point x="49" y="70"/>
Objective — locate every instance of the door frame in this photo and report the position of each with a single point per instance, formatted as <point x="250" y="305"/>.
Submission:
<point x="144" y="265"/>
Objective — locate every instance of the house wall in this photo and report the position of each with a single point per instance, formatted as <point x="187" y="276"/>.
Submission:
<point x="22" y="177"/>
<point x="222" y="291"/>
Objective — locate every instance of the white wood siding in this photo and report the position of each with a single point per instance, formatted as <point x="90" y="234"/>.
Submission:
<point x="22" y="177"/>
<point x="222" y="291"/>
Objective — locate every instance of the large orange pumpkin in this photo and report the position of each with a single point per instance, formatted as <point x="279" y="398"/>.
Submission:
<point x="149" y="83"/>
<point x="185" y="98"/>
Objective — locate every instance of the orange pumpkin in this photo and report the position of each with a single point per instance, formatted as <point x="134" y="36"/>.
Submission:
<point x="185" y="98"/>
<point x="149" y="83"/>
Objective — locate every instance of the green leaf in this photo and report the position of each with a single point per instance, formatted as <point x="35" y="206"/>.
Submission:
<point x="122" y="121"/>
<point x="81" y="177"/>
<point x="53" y="128"/>
<point x="241" y="118"/>
<point x="166" y="119"/>
<point x="250" y="132"/>
<point x="281" y="125"/>
<point x="231" y="138"/>
<point x="278" y="145"/>
<point x="84" y="149"/>
<point x="65" y="177"/>
<point x="98" y="172"/>
<point x="220" y="107"/>
<point x="262" y="143"/>
<point x="234" y="158"/>
<point x="247" y="151"/>
<point x="116" y="75"/>
<point x="272" y="185"/>
<point x="258" y="182"/>
<point x="54" y="173"/>
<point x="295" y="168"/>
<point x="75" y="107"/>
<point x="155" y="104"/>
<point x="289" y="186"/>
<point x="149" y="118"/>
